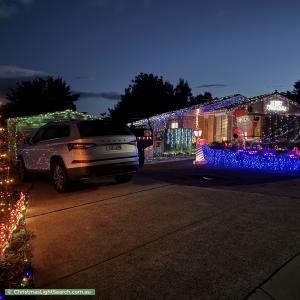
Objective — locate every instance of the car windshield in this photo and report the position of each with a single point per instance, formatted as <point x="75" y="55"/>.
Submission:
<point x="102" y="128"/>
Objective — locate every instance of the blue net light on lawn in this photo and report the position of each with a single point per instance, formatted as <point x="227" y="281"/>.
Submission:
<point x="267" y="161"/>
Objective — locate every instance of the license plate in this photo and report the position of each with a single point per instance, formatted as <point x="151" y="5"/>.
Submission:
<point x="113" y="147"/>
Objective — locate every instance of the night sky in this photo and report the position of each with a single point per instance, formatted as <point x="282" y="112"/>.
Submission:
<point x="99" y="46"/>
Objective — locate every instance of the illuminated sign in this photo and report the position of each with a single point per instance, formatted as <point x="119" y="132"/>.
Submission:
<point x="276" y="106"/>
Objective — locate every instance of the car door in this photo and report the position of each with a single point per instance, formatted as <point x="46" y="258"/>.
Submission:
<point x="44" y="147"/>
<point x="43" y="150"/>
<point x="30" y="151"/>
<point x="50" y="144"/>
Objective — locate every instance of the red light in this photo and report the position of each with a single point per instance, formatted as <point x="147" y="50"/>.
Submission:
<point x="80" y="146"/>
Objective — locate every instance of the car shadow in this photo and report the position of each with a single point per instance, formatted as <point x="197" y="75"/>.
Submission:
<point x="76" y="186"/>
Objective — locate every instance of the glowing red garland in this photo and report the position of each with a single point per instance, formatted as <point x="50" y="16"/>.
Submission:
<point x="6" y="229"/>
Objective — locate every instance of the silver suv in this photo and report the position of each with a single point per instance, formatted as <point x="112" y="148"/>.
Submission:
<point x="73" y="150"/>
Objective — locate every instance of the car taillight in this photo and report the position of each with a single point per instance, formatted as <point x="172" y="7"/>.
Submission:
<point x="80" y="146"/>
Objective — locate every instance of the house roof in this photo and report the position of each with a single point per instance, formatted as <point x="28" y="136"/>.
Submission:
<point x="229" y="103"/>
<point x="223" y="103"/>
<point x="237" y="101"/>
<point x="275" y="95"/>
<point x="216" y="104"/>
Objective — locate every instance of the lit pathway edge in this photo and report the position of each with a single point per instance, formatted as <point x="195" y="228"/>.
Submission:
<point x="283" y="284"/>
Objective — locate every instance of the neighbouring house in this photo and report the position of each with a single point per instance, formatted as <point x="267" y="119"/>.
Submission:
<point x="264" y="118"/>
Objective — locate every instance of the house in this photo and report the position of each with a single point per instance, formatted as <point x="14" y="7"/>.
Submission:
<point x="264" y="118"/>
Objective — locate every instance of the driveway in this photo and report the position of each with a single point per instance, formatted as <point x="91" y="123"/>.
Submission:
<point x="175" y="232"/>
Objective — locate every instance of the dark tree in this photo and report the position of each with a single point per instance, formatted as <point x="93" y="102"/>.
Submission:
<point x="297" y="87"/>
<point x="201" y="98"/>
<point x="295" y="94"/>
<point x="148" y="95"/>
<point x="39" y="96"/>
<point x="182" y="94"/>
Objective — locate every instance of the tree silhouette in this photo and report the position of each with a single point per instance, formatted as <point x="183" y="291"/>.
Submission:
<point x="148" y="95"/>
<point x="182" y="94"/>
<point x="295" y="94"/>
<point x="201" y="98"/>
<point x="39" y="96"/>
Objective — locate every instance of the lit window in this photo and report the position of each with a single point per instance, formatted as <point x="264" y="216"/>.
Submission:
<point x="174" y="125"/>
<point x="221" y="123"/>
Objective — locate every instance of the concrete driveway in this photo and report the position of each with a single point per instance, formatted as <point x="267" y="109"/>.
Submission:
<point x="175" y="232"/>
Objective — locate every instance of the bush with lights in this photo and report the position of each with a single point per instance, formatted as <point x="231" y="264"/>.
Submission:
<point x="15" y="254"/>
<point x="259" y="159"/>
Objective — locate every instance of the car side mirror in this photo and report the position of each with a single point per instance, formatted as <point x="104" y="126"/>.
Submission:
<point x="27" y="141"/>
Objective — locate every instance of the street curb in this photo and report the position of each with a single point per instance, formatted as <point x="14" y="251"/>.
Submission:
<point x="261" y="293"/>
<point x="166" y="161"/>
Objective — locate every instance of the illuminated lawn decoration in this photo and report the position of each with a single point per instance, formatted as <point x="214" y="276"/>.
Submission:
<point x="199" y="151"/>
<point x="15" y="251"/>
<point x="10" y="216"/>
<point x="252" y="159"/>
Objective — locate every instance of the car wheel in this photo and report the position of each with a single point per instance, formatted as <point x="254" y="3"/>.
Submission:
<point x="123" y="178"/>
<point x="60" y="177"/>
<point x="22" y="171"/>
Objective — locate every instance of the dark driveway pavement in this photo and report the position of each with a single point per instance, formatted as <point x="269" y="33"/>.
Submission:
<point x="174" y="232"/>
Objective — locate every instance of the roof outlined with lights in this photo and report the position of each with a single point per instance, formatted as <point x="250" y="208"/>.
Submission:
<point x="228" y="103"/>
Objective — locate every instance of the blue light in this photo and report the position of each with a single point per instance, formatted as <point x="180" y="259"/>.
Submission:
<point x="27" y="274"/>
<point x="224" y="103"/>
<point x="226" y="158"/>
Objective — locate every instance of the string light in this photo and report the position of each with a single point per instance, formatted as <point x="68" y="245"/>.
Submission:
<point x="26" y="278"/>
<point x="266" y="160"/>
<point x="14" y="246"/>
<point x="7" y="181"/>
<point x="12" y="220"/>
<point x="4" y="168"/>
<point x="224" y="103"/>
<point x="276" y="127"/>
<point x="180" y="138"/>
<point x="37" y="121"/>
<point x="17" y="126"/>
